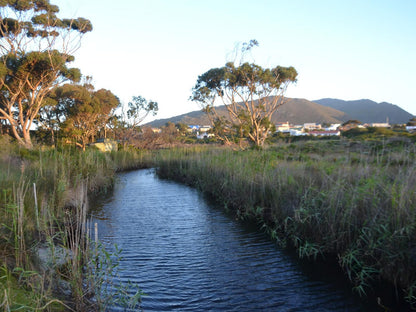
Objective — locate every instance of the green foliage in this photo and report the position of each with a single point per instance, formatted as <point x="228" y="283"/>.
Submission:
<point x="412" y="122"/>
<point x="80" y="111"/>
<point x="139" y="109"/>
<point x="34" y="58"/>
<point x="104" y="270"/>
<point x="251" y="94"/>
<point x="353" y="199"/>
<point x="369" y="133"/>
<point x="352" y="122"/>
<point x="42" y="203"/>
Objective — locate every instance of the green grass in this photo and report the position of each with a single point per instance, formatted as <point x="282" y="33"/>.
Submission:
<point x="353" y="201"/>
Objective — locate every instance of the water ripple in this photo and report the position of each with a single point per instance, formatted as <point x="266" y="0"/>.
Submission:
<point x="188" y="256"/>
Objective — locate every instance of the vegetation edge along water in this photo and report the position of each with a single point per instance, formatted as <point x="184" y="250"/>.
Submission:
<point x="44" y="210"/>
<point x="349" y="201"/>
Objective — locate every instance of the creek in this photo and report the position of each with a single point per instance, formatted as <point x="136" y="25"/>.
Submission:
<point x="186" y="254"/>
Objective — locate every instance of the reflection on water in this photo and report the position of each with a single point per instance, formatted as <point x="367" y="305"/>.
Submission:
<point x="188" y="256"/>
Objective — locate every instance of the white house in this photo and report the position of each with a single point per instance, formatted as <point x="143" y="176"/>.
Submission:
<point x="379" y="125"/>
<point x="204" y="128"/>
<point x="324" y="133"/>
<point x="333" y="127"/>
<point x="283" y="126"/>
<point x="311" y="126"/>
<point x="297" y="132"/>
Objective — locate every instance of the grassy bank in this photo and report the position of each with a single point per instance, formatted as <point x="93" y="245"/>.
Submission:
<point x="43" y="208"/>
<point x="350" y="201"/>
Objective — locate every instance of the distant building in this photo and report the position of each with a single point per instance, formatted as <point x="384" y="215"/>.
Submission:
<point x="311" y="126"/>
<point x="379" y="125"/>
<point x="297" y="132"/>
<point x="193" y="128"/>
<point x="325" y="133"/>
<point x="333" y="127"/>
<point x="204" y="128"/>
<point x="282" y="126"/>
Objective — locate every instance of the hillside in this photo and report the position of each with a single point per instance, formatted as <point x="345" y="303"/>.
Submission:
<point x="296" y="111"/>
<point x="300" y="111"/>
<point x="369" y="111"/>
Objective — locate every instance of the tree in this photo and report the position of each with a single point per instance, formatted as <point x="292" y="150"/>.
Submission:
<point x="251" y="95"/>
<point x="139" y="109"/>
<point x="86" y="111"/>
<point x="182" y="128"/>
<point x="350" y="124"/>
<point x="127" y="125"/>
<point x="35" y="49"/>
<point x="411" y="122"/>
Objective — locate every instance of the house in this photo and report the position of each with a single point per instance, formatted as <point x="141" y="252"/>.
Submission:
<point x="297" y="132"/>
<point x="311" y="126"/>
<point x="204" y="128"/>
<point x="282" y="126"/>
<point x="333" y="127"/>
<point x="325" y="133"/>
<point x="193" y="128"/>
<point x="379" y="125"/>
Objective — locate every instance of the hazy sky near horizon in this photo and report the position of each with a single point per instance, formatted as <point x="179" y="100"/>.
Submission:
<point x="355" y="49"/>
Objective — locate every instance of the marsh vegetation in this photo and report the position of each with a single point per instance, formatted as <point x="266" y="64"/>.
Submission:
<point x="48" y="262"/>
<point x="349" y="201"/>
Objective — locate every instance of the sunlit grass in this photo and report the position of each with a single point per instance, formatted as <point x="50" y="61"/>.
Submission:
<point x="351" y="200"/>
<point x="44" y="203"/>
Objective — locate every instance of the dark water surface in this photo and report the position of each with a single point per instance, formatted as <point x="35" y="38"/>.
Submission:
<point x="189" y="256"/>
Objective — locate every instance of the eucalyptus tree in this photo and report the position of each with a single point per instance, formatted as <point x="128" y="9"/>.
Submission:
<point x="84" y="112"/>
<point x="36" y="47"/>
<point x="128" y="123"/>
<point x="139" y="108"/>
<point x="251" y="95"/>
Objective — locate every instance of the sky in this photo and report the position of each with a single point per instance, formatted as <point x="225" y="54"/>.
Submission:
<point x="350" y="50"/>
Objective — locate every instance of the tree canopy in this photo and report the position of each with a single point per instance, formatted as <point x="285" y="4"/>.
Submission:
<point x="35" y="49"/>
<point x="82" y="112"/>
<point x="251" y="95"/>
<point x="128" y="122"/>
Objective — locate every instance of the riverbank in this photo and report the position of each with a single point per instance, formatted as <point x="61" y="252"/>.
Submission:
<point x="352" y="202"/>
<point x="344" y="200"/>
<point x="43" y="209"/>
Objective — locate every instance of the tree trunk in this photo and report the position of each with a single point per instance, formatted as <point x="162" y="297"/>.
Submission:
<point x="26" y="137"/>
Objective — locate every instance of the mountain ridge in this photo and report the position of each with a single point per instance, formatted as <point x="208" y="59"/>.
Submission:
<point x="300" y="111"/>
<point x="368" y="111"/>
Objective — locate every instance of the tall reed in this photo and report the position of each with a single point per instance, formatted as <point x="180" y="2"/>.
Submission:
<point x="354" y="201"/>
<point x="43" y="209"/>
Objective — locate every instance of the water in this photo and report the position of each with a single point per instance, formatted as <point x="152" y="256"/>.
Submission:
<point x="189" y="256"/>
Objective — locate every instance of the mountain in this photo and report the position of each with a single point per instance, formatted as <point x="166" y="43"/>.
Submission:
<point x="368" y="111"/>
<point x="300" y="111"/>
<point x="296" y="111"/>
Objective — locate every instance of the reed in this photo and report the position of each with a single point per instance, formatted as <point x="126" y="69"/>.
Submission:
<point x="44" y="206"/>
<point x="353" y="201"/>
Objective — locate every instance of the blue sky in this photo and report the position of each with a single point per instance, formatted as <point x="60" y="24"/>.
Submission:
<point x="341" y="49"/>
